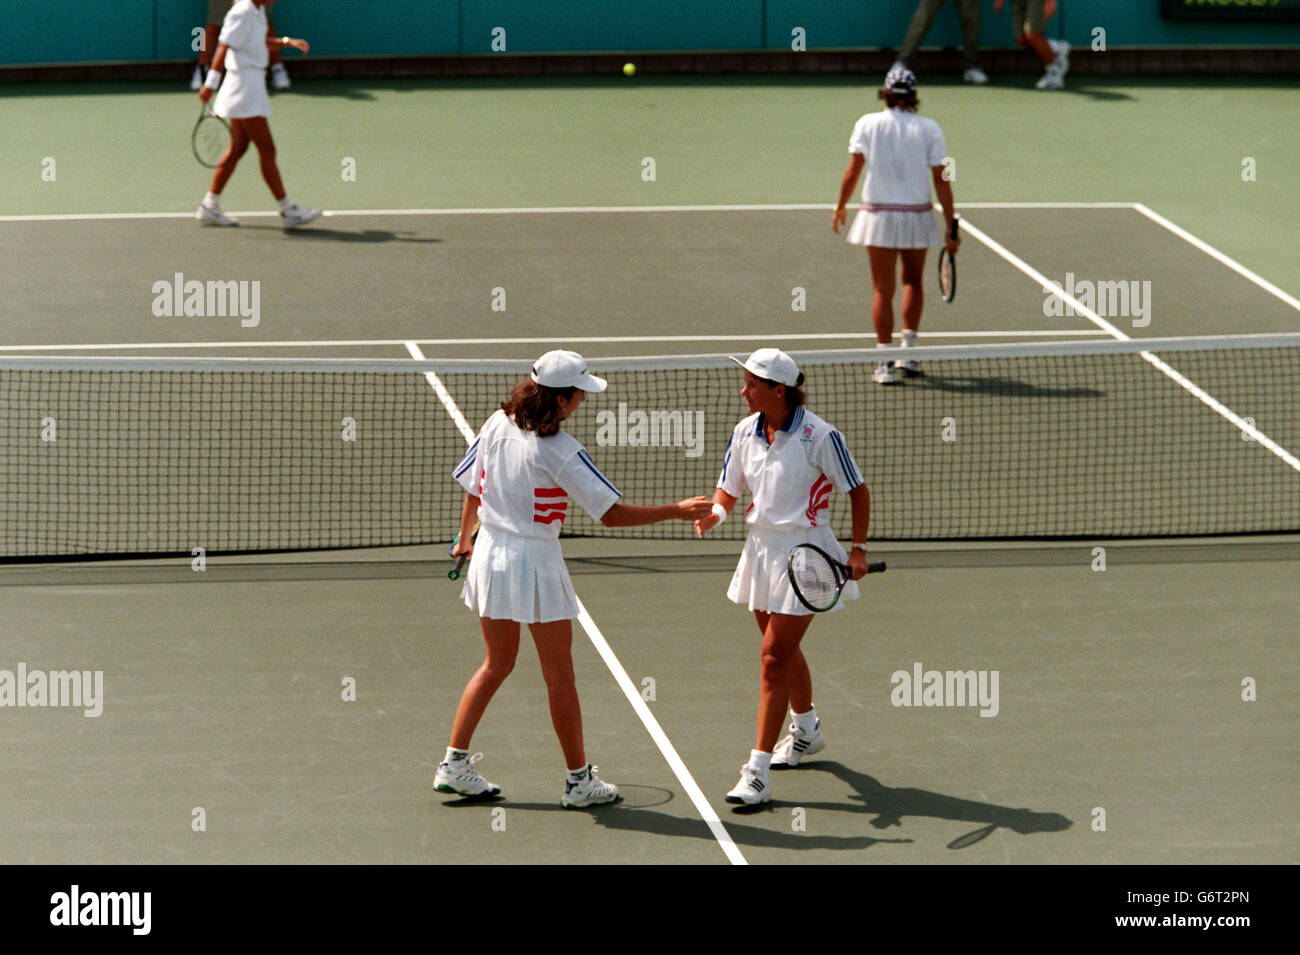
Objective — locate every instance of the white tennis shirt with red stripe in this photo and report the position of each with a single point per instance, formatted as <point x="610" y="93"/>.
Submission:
<point x="523" y="482"/>
<point x="791" y="479"/>
<point x="900" y="148"/>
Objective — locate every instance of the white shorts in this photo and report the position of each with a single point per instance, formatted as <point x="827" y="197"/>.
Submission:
<point x="242" y="94"/>
<point x="518" y="578"/>
<point x="896" y="230"/>
<point x="761" y="580"/>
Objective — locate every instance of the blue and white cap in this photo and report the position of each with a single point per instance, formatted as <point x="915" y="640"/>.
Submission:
<point x="901" y="81"/>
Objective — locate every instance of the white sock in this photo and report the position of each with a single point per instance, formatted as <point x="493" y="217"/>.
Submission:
<point x="909" y="338"/>
<point x="807" y="722"/>
<point x="213" y="200"/>
<point x="577" y="775"/>
<point x="285" y="203"/>
<point x="760" y="760"/>
<point x="456" y="755"/>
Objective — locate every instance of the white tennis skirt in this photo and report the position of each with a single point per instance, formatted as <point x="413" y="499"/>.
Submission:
<point x="242" y="94"/>
<point x="518" y="578"/>
<point x="761" y="580"/>
<point x="896" y="230"/>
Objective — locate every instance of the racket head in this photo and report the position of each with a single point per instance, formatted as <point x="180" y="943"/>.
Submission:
<point x="818" y="578"/>
<point x="947" y="275"/>
<point x="210" y="139"/>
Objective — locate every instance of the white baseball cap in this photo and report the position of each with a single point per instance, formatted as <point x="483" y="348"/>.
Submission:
<point x="565" y="369"/>
<point x="772" y="364"/>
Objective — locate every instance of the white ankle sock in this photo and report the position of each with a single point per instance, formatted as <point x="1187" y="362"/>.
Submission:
<point x="760" y="760"/>
<point x="807" y="722"/>
<point x="456" y="755"/>
<point x="285" y="203"/>
<point x="577" y="775"/>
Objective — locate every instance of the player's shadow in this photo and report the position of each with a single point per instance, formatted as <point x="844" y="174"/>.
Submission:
<point x="997" y="387"/>
<point x="634" y="818"/>
<point x="315" y="233"/>
<point x="890" y="805"/>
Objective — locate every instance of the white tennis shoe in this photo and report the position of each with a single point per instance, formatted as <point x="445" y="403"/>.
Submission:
<point x="296" y="215"/>
<point x="753" y="789"/>
<point x="1061" y="49"/>
<point x="884" y="374"/>
<point x="590" y="790"/>
<point x="975" y="76"/>
<point x="280" y="77"/>
<point x="212" y="215"/>
<point x="462" y="778"/>
<point x="1051" y="80"/>
<point x="196" y="79"/>
<point x="798" y="745"/>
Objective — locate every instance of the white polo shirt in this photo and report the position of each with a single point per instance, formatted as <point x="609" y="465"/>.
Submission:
<point x="523" y="482"/>
<point x="790" y="480"/>
<point x="900" y="148"/>
<point x="244" y="31"/>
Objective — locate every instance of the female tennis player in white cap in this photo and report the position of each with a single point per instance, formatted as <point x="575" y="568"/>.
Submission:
<point x="517" y="477"/>
<point x="790" y="460"/>
<point x="903" y="153"/>
<point x="241" y="59"/>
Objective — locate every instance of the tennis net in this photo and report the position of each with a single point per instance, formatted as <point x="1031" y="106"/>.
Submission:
<point x="1160" y="437"/>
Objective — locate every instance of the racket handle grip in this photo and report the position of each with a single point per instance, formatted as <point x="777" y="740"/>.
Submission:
<point x="955" y="220"/>
<point x="876" y="567"/>
<point x="454" y="573"/>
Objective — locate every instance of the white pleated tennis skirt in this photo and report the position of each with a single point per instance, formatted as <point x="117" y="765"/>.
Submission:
<point x="896" y="230"/>
<point x="518" y="578"/>
<point x="242" y="94"/>
<point x="761" y="580"/>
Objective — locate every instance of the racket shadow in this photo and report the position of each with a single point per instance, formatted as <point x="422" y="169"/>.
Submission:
<point x="891" y="804"/>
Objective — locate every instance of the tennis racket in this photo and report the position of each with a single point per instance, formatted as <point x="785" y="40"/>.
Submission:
<point x="948" y="268"/>
<point x="210" y="139"/>
<point x="818" y="578"/>
<point x="454" y="573"/>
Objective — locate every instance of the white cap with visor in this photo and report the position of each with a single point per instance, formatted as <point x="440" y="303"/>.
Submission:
<point x="772" y="364"/>
<point x="565" y="369"/>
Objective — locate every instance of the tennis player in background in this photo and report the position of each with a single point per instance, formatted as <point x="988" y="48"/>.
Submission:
<point x="518" y="476"/>
<point x="902" y="153"/>
<point x="1028" y="25"/>
<point x="790" y="461"/>
<point x="238" y="76"/>
<point x="217" y="10"/>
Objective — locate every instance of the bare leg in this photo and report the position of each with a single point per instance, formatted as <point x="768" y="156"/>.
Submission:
<point x="555" y="651"/>
<point x="238" y="146"/>
<point x="882" y="291"/>
<point x="502" y="639"/>
<point x="781" y="636"/>
<point x="913" y="292"/>
<point x="259" y="131"/>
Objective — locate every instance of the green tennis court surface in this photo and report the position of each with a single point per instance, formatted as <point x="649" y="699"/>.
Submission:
<point x="1118" y="689"/>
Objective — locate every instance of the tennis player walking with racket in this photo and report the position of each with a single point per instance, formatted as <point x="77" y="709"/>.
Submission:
<point x="517" y="477"/>
<point x="790" y="460"/>
<point x="902" y="153"/>
<point x="241" y="58"/>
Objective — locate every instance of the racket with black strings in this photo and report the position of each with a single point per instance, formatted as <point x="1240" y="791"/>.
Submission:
<point x="948" y="268"/>
<point x="210" y="139"/>
<point x="818" y="578"/>
<point x="454" y="573"/>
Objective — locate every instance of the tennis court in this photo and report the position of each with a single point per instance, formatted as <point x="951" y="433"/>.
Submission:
<point x="1118" y="689"/>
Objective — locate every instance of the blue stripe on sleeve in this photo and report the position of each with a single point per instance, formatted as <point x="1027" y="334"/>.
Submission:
<point x="586" y="459"/>
<point x="467" y="460"/>
<point x="851" y="473"/>
<point x="726" y="459"/>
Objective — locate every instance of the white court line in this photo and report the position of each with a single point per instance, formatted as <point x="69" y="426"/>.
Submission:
<point x="1215" y="254"/>
<point x="607" y="339"/>
<point x="616" y="668"/>
<point x="553" y="210"/>
<point x="1191" y="387"/>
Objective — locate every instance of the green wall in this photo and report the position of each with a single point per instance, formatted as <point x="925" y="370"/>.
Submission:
<point x="69" y="31"/>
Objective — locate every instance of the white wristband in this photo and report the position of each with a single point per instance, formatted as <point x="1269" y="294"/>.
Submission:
<point x="719" y="512"/>
<point x="213" y="80"/>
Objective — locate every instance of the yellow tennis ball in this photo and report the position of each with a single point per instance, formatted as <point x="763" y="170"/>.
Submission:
<point x="629" y="69"/>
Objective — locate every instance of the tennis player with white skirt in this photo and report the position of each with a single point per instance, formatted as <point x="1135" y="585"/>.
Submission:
<point x="790" y="461"/>
<point x="238" y="75"/>
<point x="902" y="153"/>
<point x="518" y="476"/>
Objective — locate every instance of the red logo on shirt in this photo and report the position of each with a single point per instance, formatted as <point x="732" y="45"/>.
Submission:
<point x="549" y="505"/>
<point x="819" y="498"/>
